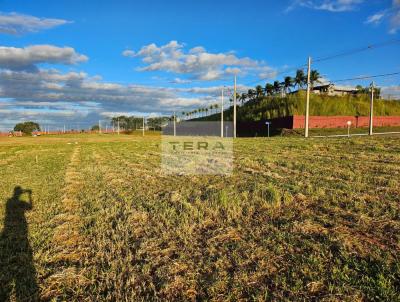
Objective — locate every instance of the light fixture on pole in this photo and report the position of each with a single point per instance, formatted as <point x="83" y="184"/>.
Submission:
<point x="268" y="124"/>
<point x="348" y="128"/>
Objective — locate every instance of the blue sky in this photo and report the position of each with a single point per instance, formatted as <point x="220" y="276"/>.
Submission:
<point x="86" y="60"/>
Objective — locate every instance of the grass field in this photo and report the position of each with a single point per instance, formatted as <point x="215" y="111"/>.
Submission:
<point x="298" y="220"/>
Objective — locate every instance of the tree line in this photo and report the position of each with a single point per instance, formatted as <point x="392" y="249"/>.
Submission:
<point x="130" y="123"/>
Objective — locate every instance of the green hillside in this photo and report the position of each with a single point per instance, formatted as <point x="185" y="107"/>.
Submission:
<point x="320" y="105"/>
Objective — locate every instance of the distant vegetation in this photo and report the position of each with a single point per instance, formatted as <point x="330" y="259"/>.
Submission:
<point x="320" y="105"/>
<point x="27" y="127"/>
<point x="277" y="100"/>
<point x="131" y="123"/>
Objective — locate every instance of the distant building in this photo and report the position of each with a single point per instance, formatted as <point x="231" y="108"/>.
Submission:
<point x="333" y="90"/>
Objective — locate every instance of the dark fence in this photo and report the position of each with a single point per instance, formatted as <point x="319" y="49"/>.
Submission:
<point x="198" y="129"/>
<point x="260" y="128"/>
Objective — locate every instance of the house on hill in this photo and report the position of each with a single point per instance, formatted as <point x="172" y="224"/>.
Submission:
<point x="333" y="90"/>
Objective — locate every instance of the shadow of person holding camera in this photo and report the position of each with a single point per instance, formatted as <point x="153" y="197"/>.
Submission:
<point x="17" y="272"/>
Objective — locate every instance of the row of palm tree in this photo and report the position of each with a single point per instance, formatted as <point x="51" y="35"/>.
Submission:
<point x="200" y="112"/>
<point x="299" y="81"/>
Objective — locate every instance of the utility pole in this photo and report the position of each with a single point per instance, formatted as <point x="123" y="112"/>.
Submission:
<point x="143" y="127"/>
<point x="222" y="112"/>
<point x="308" y="97"/>
<point x="234" y="109"/>
<point x="118" y="126"/>
<point x="99" y="127"/>
<point x="174" y="123"/>
<point x="371" y="110"/>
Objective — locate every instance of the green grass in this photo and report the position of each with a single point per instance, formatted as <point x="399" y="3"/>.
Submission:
<point x="298" y="220"/>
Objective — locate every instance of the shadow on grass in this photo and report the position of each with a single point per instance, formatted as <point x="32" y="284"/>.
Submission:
<point x="17" y="272"/>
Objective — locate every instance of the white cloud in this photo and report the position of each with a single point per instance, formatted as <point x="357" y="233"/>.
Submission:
<point x="128" y="53"/>
<point x="17" y="24"/>
<point x="392" y="92"/>
<point x="27" y="58"/>
<point x="391" y="14"/>
<point x="180" y="81"/>
<point x="198" y="49"/>
<point x="376" y="18"/>
<point x="55" y="97"/>
<point x="334" y="6"/>
<point x="395" y="22"/>
<point x="196" y="64"/>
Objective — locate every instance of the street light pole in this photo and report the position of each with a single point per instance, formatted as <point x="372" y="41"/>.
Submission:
<point x="174" y="123"/>
<point x="308" y="98"/>
<point x="371" y="110"/>
<point x="222" y="112"/>
<point x="234" y="109"/>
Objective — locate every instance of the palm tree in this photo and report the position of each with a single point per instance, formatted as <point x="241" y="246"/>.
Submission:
<point x="243" y="98"/>
<point x="251" y="94"/>
<point x="300" y="79"/>
<point x="237" y="96"/>
<point x="314" y="77"/>
<point x="287" y="84"/>
<point x="277" y="87"/>
<point x="206" y="109"/>
<point x="259" y="91"/>
<point x="269" y="89"/>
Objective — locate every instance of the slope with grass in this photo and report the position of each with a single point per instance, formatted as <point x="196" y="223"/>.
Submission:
<point x="320" y="105"/>
<point x="298" y="219"/>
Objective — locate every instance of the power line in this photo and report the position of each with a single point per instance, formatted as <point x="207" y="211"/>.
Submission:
<point x="355" y="51"/>
<point x="366" y="77"/>
<point x="331" y="57"/>
<point x="274" y="74"/>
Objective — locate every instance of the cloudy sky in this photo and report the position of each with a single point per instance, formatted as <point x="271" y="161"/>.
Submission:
<point x="75" y="62"/>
